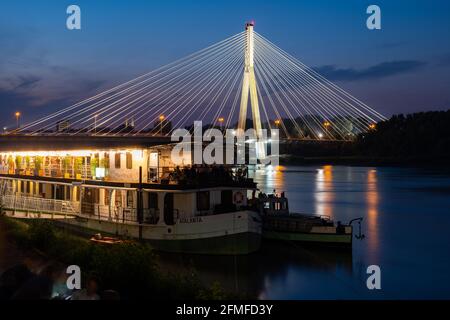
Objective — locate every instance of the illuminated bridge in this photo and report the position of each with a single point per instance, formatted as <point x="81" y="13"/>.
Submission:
<point x="215" y="86"/>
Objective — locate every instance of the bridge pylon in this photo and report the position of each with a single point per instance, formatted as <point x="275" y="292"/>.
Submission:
<point x="249" y="87"/>
<point x="249" y="84"/>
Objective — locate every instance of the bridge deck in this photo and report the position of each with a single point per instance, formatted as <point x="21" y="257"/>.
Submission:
<point x="75" y="142"/>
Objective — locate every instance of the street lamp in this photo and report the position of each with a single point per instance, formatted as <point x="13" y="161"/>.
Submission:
<point x="277" y="122"/>
<point x="372" y="126"/>
<point x="221" y="120"/>
<point x="18" y="114"/>
<point x="161" y="120"/>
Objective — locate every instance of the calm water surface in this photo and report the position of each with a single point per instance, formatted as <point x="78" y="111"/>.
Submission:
<point x="406" y="224"/>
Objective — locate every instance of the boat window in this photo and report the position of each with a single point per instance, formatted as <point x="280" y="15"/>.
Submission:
<point x="107" y="196"/>
<point x="153" y="174"/>
<point x="58" y="192"/>
<point x="227" y="197"/>
<point x="129" y="160"/>
<point x="277" y="206"/>
<point x="89" y="200"/>
<point x="106" y="160"/>
<point x="117" y="160"/>
<point x="118" y="198"/>
<point x="91" y="195"/>
<point x="203" y="201"/>
<point x="152" y="200"/>
<point x="77" y="193"/>
<point x="41" y="190"/>
<point x="68" y="193"/>
<point x="130" y="199"/>
<point x="169" y="219"/>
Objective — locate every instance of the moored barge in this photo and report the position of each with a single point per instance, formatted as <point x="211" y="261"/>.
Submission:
<point x="281" y="225"/>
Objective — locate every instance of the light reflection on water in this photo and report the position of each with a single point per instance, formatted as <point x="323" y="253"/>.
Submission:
<point x="324" y="195"/>
<point x="406" y="225"/>
<point x="372" y="199"/>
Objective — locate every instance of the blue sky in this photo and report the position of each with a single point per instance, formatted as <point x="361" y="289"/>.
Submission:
<point x="403" y="68"/>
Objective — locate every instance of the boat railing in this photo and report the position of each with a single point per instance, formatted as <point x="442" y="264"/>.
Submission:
<point x="110" y="213"/>
<point x="38" y="205"/>
<point x="29" y="204"/>
<point x="128" y="214"/>
<point x="101" y="210"/>
<point x="52" y="171"/>
<point x="151" y="215"/>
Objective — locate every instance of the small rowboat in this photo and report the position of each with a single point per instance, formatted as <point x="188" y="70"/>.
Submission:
<point x="98" y="238"/>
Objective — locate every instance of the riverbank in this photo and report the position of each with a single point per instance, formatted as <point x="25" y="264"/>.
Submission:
<point x="359" y="161"/>
<point x="11" y="255"/>
<point x="132" y="269"/>
<point x="418" y="139"/>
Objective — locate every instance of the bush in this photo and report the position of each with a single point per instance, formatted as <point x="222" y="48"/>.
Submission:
<point x="130" y="268"/>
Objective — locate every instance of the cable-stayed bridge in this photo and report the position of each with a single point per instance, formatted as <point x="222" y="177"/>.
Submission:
<point x="215" y="85"/>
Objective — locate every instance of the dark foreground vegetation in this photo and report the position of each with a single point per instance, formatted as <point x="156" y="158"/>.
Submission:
<point x="131" y="269"/>
<point x="419" y="138"/>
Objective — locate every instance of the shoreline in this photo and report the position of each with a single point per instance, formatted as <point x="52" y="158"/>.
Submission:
<point x="363" y="161"/>
<point x="137" y="268"/>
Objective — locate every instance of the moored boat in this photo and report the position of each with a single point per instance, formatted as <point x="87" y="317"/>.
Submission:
<point x="281" y="225"/>
<point x="136" y="193"/>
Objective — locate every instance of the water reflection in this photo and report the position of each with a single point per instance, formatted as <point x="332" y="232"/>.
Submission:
<point x="372" y="200"/>
<point x="395" y="211"/>
<point x="266" y="274"/>
<point x="269" y="178"/>
<point x="406" y="224"/>
<point x="324" y="194"/>
<point x="283" y="269"/>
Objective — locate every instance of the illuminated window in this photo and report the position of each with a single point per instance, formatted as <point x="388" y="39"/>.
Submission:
<point x="117" y="160"/>
<point x="129" y="160"/>
<point x="106" y="160"/>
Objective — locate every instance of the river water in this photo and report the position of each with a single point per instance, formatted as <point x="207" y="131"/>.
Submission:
<point x="406" y="221"/>
<point x="406" y="214"/>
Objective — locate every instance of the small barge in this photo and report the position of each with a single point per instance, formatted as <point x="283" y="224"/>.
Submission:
<point x="281" y="225"/>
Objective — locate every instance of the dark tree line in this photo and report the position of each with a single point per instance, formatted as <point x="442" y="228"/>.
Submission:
<point x="424" y="135"/>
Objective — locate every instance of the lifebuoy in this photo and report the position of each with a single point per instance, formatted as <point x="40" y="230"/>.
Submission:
<point x="238" y="197"/>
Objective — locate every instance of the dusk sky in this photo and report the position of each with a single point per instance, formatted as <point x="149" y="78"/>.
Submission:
<point x="403" y="68"/>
